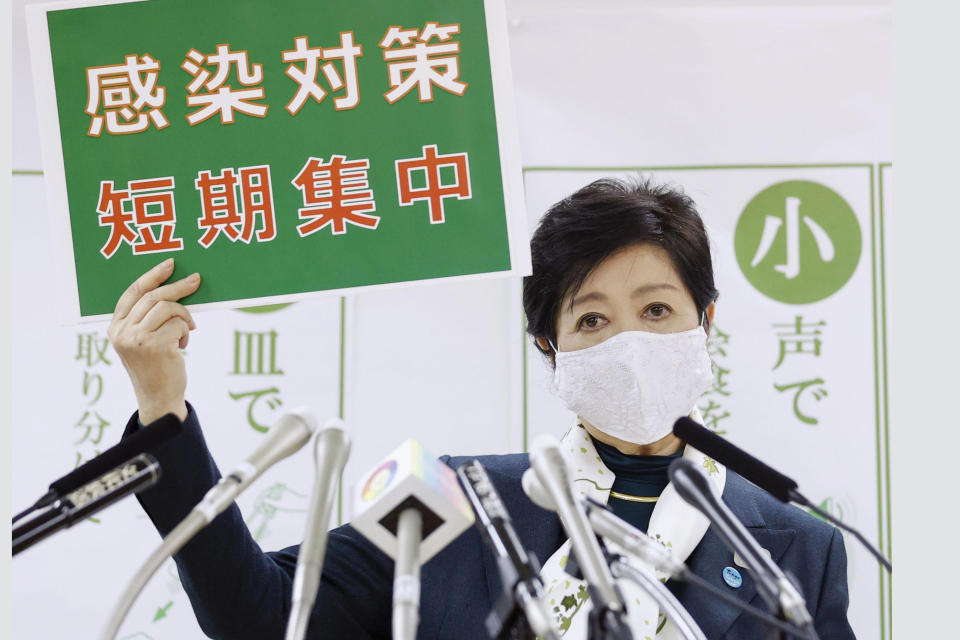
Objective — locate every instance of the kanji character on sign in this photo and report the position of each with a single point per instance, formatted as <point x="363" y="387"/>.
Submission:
<point x="335" y="194"/>
<point x="720" y="384"/>
<point x="92" y="349"/>
<point x="80" y="459"/>
<point x="771" y="228"/>
<point x="422" y="65"/>
<point x="87" y="379"/>
<point x="255" y="396"/>
<point x="222" y="214"/>
<point x="306" y="78"/>
<point x="91" y="423"/>
<point x="817" y="393"/>
<point x="128" y="96"/>
<point x="802" y="337"/>
<point x="712" y="414"/>
<point x="434" y="191"/>
<point x="218" y="97"/>
<point x="255" y="353"/>
<point x="143" y="215"/>
<point x="716" y="342"/>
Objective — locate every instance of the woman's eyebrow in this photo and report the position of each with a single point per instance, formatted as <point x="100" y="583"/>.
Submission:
<point x="592" y="296"/>
<point x="648" y="288"/>
<point x="596" y="296"/>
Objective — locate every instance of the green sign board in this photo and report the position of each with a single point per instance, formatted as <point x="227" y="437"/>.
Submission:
<point x="280" y="149"/>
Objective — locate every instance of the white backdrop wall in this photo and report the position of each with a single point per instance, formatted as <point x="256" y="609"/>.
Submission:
<point x="723" y="98"/>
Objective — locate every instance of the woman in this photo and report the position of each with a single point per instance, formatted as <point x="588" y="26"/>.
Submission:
<point x="620" y="300"/>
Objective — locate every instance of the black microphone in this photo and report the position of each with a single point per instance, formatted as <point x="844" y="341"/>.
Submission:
<point x="522" y="612"/>
<point x="707" y="442"/>
<point x="136" y="474"/>
<point x="777" y="591"/>
<point x="767" y="478"/>
<point x="140" y="441"/>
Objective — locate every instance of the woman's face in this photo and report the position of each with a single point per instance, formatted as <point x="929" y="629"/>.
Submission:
<point x="635" y="289"/>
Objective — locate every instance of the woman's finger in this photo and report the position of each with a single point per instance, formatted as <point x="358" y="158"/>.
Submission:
<point x="173" y="331"/>
<point x="147" y="282"/>
<point x="163" y="311"/>
<point x="168" y="292"/>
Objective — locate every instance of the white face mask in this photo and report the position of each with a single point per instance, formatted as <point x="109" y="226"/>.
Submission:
<point x="636" y="384"/>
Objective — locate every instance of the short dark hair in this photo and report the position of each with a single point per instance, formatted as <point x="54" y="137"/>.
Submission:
<point x="607" y="215"/>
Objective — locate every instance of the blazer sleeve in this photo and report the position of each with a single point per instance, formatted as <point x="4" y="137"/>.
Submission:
<point x="831" y="613"/>
<point x="237" y="591"/>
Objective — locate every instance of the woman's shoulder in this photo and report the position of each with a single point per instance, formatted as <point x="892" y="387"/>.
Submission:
<point x="757" y="508"/>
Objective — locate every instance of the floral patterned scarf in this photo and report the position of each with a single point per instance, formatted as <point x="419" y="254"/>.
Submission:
<point x="675" y="524"/>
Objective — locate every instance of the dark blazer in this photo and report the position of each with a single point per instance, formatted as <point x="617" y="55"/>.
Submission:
<point x="239" y="592"/>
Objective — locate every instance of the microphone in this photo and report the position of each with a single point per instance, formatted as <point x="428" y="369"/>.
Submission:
<point x="140" y="441"/>
<point x="632" y="540"/>
<point x="707" y="442"/>
<point x="410" y="506"/>
<point x="779" y="593"/>
<point x="608" y="525"/>
<point x="638" y="544"/>
<point x="134" y="475"/>
<point x="331" y="447"/>
<point x="608" y="615"/>
<point x="286" y="436"/>
<point x="520" y="573"/>
<point x="767" y="478"/>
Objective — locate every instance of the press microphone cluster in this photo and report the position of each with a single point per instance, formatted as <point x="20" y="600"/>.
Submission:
<point x="410" y="506"/>
<point x="522" y="612"/>
<point x="286" y="436"/>
<point x="638" y="545"/>
<point x="608" y="614"/>
<point x="767" y="478"/>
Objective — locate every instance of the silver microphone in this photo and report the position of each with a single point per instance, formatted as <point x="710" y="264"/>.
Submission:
<point x="776" y="589"/>
<point x="331" y="447"/>
<point x="635" y="543"/>
<point x="287" y="436"/>
<point x="551" y="470"/>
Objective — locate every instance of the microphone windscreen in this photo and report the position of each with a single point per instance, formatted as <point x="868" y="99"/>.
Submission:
<point x="734" y="458"/>
<point x="535" y="491"/>
<point x="143" y="440"/>
<point x="411" y="478"/>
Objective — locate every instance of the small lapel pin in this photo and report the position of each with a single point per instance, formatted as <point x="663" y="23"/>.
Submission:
<point x="732" y="577"/>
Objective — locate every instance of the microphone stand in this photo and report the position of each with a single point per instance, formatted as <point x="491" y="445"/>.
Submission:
<point x="668" y="602"/>
<point x="406" y="584"/>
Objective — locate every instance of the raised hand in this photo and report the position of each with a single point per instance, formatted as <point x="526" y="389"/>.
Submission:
<point x="148" y="330"/>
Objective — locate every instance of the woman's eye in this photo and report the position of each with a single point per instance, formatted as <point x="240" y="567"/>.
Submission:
<point x="657" y="311"/>
<point x="590" y="321"/>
